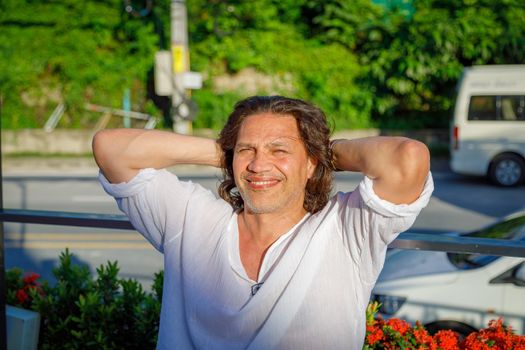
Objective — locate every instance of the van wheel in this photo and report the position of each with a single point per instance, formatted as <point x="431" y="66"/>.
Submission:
<point x="461" y="328"/>
<point x="507" y="170"/>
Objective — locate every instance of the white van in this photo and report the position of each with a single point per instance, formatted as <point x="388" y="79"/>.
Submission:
<point x="488" y="131"/>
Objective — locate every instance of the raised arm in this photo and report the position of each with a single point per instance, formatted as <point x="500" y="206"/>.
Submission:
<point x="121" y="153"/>
<point x="398" y="166"/>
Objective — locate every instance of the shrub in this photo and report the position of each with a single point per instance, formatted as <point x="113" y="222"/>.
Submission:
<point x="79" y="312"/>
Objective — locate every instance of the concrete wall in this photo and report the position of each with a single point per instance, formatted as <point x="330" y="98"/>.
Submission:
<point x="38" y="141"/>
<point x="77" y="142"/>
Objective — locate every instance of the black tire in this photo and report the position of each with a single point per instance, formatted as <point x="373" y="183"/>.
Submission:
<point x="461" y="328"/>
<point x="507" y="170"/>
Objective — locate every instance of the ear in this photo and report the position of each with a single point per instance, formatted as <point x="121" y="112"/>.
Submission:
<point x="310" y="167"/>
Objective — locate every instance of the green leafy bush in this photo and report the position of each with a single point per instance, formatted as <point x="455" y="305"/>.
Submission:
<point x="79" y="312"/>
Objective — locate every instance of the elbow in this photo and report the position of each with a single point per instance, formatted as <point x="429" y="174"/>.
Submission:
<point x="101" y="146"/>
<point x="415" y="160"/>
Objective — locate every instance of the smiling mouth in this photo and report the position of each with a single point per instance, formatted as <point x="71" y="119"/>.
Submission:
<point x="261" y="184"/>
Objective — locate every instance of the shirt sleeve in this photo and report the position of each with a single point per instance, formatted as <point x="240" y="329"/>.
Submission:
<point x="370" y="223"/>
<point x="156" y="203"/>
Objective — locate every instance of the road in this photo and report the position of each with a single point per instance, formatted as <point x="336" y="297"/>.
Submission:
<point x="458" y="204"/>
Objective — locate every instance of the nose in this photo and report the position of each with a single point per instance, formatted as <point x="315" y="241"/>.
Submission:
<point x="259" y="163"/>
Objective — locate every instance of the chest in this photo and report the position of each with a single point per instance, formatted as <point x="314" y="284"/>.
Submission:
<point x="252" y="257"/>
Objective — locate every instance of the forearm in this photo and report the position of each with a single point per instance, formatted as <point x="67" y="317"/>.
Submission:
<point x="397" y="165"/>
<point x="121" y="153"/>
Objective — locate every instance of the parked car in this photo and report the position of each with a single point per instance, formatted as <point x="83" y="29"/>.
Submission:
<point x="456" y="291"/>
<point x="488" y="131"/>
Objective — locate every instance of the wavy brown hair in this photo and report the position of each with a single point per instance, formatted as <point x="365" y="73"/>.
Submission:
<point x="314" y="132"/>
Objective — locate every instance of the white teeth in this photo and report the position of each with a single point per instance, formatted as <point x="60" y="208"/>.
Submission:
<point x="261" y="183"/>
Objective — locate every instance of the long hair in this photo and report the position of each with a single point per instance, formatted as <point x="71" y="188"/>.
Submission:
<point x="314" y="132"/>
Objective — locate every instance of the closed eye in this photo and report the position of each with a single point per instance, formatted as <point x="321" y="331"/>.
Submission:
<point x="243" y="149"/>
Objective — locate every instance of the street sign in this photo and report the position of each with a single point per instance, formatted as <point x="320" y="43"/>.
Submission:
<point x="163" y="82"/>
<point x="191" y="80"/>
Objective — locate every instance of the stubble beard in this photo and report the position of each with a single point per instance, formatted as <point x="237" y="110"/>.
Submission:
<point x="272" y="206"/>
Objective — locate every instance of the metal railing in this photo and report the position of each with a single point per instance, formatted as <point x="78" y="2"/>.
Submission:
<point x="406" y="240"/>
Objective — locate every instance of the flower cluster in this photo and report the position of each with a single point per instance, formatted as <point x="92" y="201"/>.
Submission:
<point x="496" y="337"/>
<point x="398" y="334"/>
<point x="26" y="289"/>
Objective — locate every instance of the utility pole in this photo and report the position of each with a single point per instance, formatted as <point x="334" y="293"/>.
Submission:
<point x="181" y="64"/>
<point x="172" y="72"/>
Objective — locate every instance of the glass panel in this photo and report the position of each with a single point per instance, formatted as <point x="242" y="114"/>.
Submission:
<point x="482" y="108"/>
<point x="521" y="108"/>
<point x="36" y="248"/>
<point x="510" y="107"/>
<point x="509" y="229"/>
<point x="59" y="191"/>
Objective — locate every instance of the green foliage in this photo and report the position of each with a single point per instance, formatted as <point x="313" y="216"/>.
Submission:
<point x="214" y="108"/>
<point x="73" y="52"/>
<point x="81" y="313"/>
<point x="413" y="59"/>
<point x="391" y="64"/>
<point x="323" y="74"/>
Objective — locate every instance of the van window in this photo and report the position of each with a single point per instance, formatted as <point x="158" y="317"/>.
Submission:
<point x="510" y="107"/>
<point x="482" y="108"/>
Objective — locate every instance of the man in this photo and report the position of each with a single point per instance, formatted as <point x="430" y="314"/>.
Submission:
<point x="275" y="263"/>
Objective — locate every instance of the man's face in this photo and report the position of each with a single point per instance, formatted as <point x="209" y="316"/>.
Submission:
<point x="270" y="164"/>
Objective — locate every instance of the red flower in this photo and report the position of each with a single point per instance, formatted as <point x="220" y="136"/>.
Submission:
<point x="374" y="335"/>
<point x="421" y="335"/>
<point x="400" y="326"/>
<point x="22" y="296"/>
<point x="474" y="342"/>
<point x="446" y="340"/>
<point x="519" y="343"/>
<point x="31" y="277"/>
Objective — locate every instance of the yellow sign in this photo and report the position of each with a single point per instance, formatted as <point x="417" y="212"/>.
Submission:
<point x="179" y="58"/>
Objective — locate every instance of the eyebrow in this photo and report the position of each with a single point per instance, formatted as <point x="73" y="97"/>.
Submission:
<point x="278" y="142"/>
<point x="243" y="144"/>
<point x="285" y="141"/>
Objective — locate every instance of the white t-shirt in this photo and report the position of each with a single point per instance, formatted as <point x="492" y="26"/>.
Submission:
<point x="316" y="279"/>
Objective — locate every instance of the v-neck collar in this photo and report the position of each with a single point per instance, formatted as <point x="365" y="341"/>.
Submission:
<point x="270" y="258"/>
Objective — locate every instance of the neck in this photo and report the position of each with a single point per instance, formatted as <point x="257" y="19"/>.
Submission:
<point x="257" y="232"/>
<point x="264" y="229"/>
